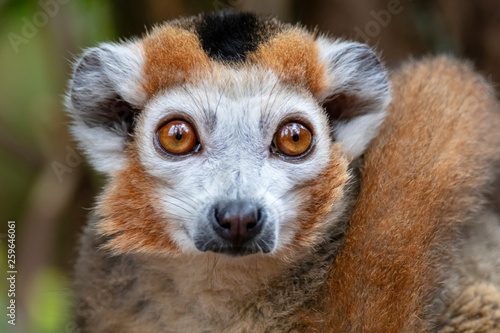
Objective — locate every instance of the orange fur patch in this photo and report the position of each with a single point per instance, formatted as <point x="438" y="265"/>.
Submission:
<point x="172" y="56"/>
<point x="424" y="174"/>
<point x="294" y="57"/>
<point x="320" y="197"/>
<point x="129" y="215"/>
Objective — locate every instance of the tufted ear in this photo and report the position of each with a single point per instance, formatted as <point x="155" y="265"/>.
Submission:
<point x="105" y="96"/>
<point x="357" y="94"/>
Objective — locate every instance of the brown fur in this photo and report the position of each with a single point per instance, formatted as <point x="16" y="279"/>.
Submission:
<point x="293" y="55"/>
<point x="330" y="186"/>
<point x="129" y="219"/>
<point x="476" y="310"/>
<point x="424" y="177"/>
<point x="172" y="56"/>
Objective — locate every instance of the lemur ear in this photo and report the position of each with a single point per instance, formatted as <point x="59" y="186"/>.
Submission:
<point x="104" y="98"/>
<point x="357" y="95"/>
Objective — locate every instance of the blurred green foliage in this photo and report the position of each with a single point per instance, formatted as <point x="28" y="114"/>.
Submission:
<point x="33" y="81"/>
<point x="31" y="122"/>
<point x="50" y="307"/>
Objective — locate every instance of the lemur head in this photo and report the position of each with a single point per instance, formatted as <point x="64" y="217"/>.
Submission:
<point x="225" y="132"/>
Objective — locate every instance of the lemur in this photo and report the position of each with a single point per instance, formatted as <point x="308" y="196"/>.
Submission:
<point x="240" y="193"/>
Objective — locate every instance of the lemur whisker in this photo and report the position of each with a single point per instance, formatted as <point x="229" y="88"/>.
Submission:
<point x="271" y="108"/>
<point x="279" y="198"/>
<point x="197" y="102"/>
<point x="221" y="94"/>
<point x="184" y="195"/>
<point x="267" y="190"/>
<point x="269" y="96"/>
<point x="207" y="109"/>
<point x="261" y="102"/>
<point x="178" y="206"/>
<point x="177" y="216"/>
<point x="206" y="191"/>
<point x="191" y="204"/>
<point x="183" y="205"/>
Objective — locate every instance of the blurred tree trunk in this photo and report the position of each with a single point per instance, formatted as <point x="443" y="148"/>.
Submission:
<point x="387" y="25"/>
<point x="474" y="27"/>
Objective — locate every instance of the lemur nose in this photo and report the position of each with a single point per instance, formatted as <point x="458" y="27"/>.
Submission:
<point x="238" y="221"/>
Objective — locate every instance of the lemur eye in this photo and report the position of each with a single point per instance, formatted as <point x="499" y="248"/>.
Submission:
<point x="177" y="137"/>
<point x="292" y="139"/>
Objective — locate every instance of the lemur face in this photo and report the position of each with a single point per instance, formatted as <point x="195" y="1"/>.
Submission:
<point x="226" y="132"/>
<point x="235" y="187"/>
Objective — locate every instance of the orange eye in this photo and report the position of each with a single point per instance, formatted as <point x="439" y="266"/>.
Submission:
<point x="177" y="137"/>
<point x="293" y="139"/>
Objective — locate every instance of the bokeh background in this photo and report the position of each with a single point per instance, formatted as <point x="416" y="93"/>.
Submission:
<point x="48" y="189"/>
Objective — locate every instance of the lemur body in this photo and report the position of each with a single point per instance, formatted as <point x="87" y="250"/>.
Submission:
<point x="232" y="144"/>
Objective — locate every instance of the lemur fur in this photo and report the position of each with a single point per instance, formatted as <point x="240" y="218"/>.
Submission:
<point x="324" y="259"/>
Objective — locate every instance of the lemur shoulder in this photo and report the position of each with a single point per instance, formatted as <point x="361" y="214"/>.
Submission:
<point x="241" y="196"/>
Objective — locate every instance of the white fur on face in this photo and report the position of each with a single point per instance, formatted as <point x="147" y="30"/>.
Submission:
<point x="236" y="115"/>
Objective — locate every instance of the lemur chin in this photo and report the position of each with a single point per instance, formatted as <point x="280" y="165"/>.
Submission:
<point x="233" y="146"/>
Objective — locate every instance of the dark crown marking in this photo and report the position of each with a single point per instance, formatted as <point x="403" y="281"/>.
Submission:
<point x="229" y="36"/>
